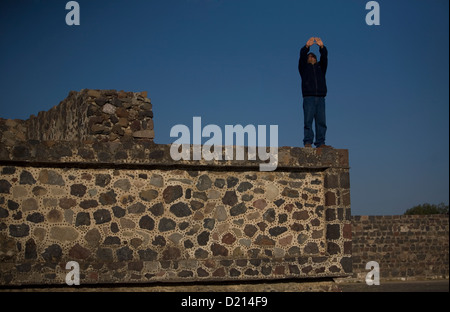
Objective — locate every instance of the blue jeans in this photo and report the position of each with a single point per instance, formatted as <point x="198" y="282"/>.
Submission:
<point x="314" y="109"/>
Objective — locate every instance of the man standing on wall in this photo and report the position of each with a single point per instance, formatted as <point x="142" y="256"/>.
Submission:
<point x="314" y="90"/>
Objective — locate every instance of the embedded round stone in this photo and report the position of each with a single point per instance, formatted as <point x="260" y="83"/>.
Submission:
<point x="148" y="195"/>
<point x="105" y="254"/>
<point x="147" y="223"/>
<point x="250" y="230"/>
<point x="209" y="223"/>
<point x="35" y="217"/>
<point x="271" y="192"/>
<point x="166" y="224"/>
<point x="136" y="208"/>
<point x="93" y="236"/>
<point x="171" y="253"/>
<point x="219" y="250"/>
<point x="157" y="180"/>
<point x="102" y="179"/>
<point x="157" y="209"/>
<point x="79" y="252"/>
<point x="90" y="203"/>
<point x="228" y="239"/>
<point x="63" y="233"/>
<point x="19" y="230"/>
<point x="203" y="238"/>
<point x="232" y="181"/>
<point x="204" y="183"/>
<point x="29" y="204"/>
<point x="172" y="193"/>
<point x="39" y="191"/>
<point x="147" y="254"/>
<point x="220" y="213"/>
<point x="311" y="248"/>
<point x="333" y="248"/>
<point x="118" y="212"/>
<point x="260" y="204"/>
<point x="3" y="213"/>
<point x="238" y="209"/>
<point x="30" y="249"/>
<point x="52" y="253"/>
<point x="264" y="240"/>
<point x="26" y="178"/>
<point x="102" y="216"/>
<point x="78" y="190"/>
<point x="5" y="186"/>
<point x="51" y="177"/>
<point x="66" y="203"/>
<point x="159" y="241"/>
<point x="108" y="198"/>
<point x="244" y="186"/>
<point x="124" y="254"/>
<point x="123" y="184"/>
<point x="230" y="198"/>
<point x="300" y="215"/>
<point x="277" y="230"/>
<point x="220" y="183"/>
<point x="82" y="219"/>
<point x="180" y="210"/>
<point x="290" y="193"/>
<point x="201" y="254"/>
<point x="196" y="205"/>
<point x="269" y="215"/>
<point x="302" y="238"/>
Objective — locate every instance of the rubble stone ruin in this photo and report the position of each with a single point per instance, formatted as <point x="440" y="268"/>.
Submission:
<point x="86" y="182"/>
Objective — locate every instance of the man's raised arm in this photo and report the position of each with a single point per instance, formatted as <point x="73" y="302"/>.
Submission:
<point x="323" y="55"/>
<point x="304" y="53"/>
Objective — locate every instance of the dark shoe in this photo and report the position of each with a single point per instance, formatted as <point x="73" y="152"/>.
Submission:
<point x="308" y="145"/>
<point x="324" y="146"/>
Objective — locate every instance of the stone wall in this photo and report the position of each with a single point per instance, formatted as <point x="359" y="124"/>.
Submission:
<point x="406" y="247"/>
<point x="109" y="198"/>
<point x="86" y="116"/>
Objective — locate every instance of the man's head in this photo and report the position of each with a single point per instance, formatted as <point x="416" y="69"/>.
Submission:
<point x="312" y="58"/>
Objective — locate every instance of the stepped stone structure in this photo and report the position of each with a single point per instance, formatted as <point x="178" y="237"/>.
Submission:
<point x="86" y="182"/>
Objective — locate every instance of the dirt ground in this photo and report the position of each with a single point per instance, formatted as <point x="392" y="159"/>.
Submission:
<point x="277" y="286"/>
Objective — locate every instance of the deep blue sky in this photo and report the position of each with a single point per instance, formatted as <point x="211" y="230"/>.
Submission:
<point x="235" y="62"/>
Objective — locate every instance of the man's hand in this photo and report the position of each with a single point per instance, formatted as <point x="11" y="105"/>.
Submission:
<point x="319" y="42"/>
<point x="310" y="42"/>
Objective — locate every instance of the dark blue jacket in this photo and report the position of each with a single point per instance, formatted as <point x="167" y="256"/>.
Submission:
<point x="313" y="76"/>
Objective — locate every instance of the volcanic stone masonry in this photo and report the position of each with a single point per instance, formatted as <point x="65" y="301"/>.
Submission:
<point x="85" y="182"/>
<point x="405" y="246"/>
